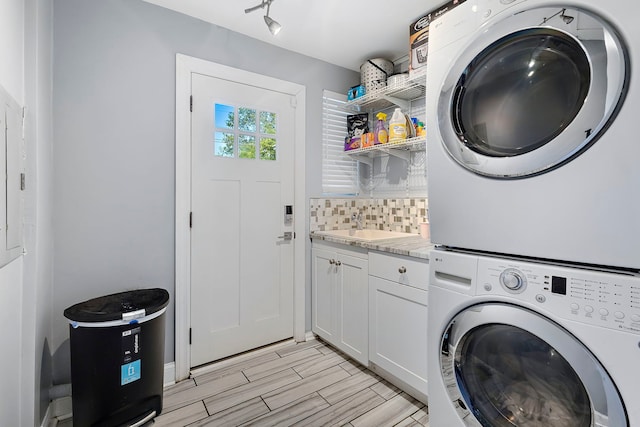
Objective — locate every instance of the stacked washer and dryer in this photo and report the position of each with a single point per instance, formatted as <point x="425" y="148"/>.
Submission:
<point x="534" y="205"/>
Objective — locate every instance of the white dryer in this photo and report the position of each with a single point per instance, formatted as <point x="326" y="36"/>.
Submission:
<point x="515" y="343"/>
<point x="532" y="127"/>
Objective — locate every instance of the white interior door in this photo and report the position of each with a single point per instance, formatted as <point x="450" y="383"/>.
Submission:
<point x="242" y="168"/>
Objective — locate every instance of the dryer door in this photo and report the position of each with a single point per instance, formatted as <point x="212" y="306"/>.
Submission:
<point x="525" y="372"/>
<point x="533" y="90"/>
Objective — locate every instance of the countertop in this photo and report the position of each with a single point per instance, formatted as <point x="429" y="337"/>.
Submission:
<point x="414" y="246"/>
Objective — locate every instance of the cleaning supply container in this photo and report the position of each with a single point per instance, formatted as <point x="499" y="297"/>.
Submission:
<point x="380" y="134"/>
<point x="117" y="358"/>
<point x="397" y="126"/>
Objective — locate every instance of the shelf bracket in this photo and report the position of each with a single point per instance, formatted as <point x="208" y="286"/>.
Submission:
<point x="363" y="159"/>
<point x="402" y="103"/>
<point x="402" y="154"/>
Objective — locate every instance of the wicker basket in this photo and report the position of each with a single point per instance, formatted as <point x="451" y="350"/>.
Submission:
<point x="374" y="73"/>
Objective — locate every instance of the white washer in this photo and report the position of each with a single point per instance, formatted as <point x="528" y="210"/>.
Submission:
<point x="532" y="124"/>
<point x="515" y="343"/>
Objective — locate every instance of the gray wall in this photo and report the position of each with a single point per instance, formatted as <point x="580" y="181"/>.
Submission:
<point x="114" y="116"/>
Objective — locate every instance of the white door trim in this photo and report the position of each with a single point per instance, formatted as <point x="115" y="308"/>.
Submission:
<point x="185" y="65"/>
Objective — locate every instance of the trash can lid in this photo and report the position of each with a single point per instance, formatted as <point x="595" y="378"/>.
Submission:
<point x="112" y="307"/>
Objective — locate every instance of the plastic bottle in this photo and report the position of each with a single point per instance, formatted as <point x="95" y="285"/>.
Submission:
<point x="397" y="126"/>
<point x="380" y="133"/>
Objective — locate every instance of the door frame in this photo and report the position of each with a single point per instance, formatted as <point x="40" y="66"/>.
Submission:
<point x="185" y="66"/>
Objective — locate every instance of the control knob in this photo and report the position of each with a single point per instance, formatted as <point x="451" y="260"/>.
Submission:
<point x="513" y="280"/>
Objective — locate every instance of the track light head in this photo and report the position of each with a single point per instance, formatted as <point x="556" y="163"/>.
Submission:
<point x="273" y="25"/>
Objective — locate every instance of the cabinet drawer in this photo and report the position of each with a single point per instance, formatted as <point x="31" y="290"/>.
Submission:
<point x="401" y="269"/>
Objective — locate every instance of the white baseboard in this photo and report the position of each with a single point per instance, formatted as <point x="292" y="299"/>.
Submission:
<point x="169" y="373"/>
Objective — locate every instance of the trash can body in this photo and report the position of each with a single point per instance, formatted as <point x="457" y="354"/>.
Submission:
<point x="117" y="365"/>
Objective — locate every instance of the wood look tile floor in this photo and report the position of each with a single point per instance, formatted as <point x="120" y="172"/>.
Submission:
<point x="305" y="384"/>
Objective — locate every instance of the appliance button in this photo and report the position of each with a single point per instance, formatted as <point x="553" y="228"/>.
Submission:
<point x="635" y="317"/>
<point x="487" y="287"/>
<point x="619" y="315"/>
<point x="487" y="13"/>
<point x="604" y="312"/>
<point x="541" y="298"/>
<point x="574" y="306"/>
<point x="588" y="309"/>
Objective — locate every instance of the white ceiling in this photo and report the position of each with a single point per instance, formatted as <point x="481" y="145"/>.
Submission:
<point x="341" y="32"/>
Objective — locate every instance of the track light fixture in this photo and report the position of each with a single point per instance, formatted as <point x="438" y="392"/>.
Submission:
<point x="273" y="25"/>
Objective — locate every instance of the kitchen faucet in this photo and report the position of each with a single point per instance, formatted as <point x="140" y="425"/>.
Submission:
<point x="357" y="217"/>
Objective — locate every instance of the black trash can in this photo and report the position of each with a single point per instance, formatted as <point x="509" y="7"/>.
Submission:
<point x="117" y="358"/>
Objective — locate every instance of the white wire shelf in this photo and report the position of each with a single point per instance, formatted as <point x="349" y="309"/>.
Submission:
<point x="398" y="149"/>
<point x="399" y="94"/>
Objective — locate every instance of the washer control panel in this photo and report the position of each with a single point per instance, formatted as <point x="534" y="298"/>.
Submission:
<point x="606" y="299"/>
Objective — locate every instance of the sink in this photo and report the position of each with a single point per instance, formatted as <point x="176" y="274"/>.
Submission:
<point x="365" y="235"/>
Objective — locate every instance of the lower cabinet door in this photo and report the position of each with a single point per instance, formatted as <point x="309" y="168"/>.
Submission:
<point x="324" y="315"/>
<point x="398" y="331"/>
<point x="353" y="306"/>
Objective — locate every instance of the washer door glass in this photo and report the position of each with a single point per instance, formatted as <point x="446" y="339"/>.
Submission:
<point x="503" y="365"/>
<point x="521" y="92"/>
<point x="531" y="91"/>
<point x="514" y="378"/>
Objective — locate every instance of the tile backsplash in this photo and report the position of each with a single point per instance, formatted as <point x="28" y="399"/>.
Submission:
<point x="381" y="214"/>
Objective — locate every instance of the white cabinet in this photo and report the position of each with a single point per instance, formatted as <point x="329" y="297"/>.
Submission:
<point x="12" y="161"/>
<point x="398" y="318"/>
<point x="340" y="298"/>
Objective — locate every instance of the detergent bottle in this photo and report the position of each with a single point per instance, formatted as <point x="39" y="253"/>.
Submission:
<point x="397" y="126"/>
<point x="380" y="133"/>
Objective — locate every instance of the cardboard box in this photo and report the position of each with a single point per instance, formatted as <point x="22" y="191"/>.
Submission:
<point x="419" y="37"/>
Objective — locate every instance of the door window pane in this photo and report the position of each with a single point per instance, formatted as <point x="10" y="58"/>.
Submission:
<point x="267" y="148"/>
<point x="224" y="116"/>
<point x="223" y="145"/>
<point x="252" y="126"/>
<point x="267" y="122"/>
<point x="512" y="377"/>
<point x="247" y="147"/>
<point x="521" y="92"/>
<point x="246" y="119"/>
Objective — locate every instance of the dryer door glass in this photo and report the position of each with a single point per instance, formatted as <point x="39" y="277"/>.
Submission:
<point x="515" y="378"/>
<point x="531" y="92"/>
<point x="520" y="92"/>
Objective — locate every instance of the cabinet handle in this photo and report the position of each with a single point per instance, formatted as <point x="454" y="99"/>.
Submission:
<point x="338" y="263"/>
<point x="332" y="261"/>
<point x="402" y="270"/>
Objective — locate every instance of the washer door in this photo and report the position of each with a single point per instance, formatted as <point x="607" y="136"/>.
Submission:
<point x="532" y="91"/>
<point x="505" y="365"/>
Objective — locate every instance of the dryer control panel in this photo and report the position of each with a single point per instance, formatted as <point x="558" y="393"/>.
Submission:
<point x="606" y="299"/>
